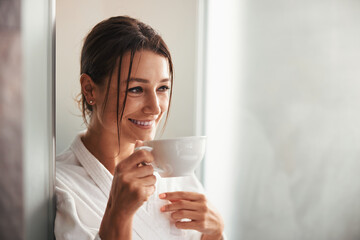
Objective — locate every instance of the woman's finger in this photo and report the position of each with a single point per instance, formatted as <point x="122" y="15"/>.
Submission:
<point x="147" y="181"/>
<point x="150" y="190"/>
<point x="175" y="196"/>
<point x="138" y="143"/>
<point x="188" y="225"/>
<point x="181" y="204"/>
<point x="188" y="214"/>
<point x="143" y="171"/>
<point x="140" y="157"/>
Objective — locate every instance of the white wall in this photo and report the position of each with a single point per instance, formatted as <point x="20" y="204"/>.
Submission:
<point x="175" y="20"/>
<point x="283" y="100"/>
<point x="37" y="33"/>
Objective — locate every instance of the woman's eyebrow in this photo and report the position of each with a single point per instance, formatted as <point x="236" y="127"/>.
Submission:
<point x="142" y="80"/>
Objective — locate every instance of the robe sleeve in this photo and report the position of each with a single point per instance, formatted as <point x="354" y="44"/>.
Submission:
<point x="97" y="237"/>
<point x="67" y="223"/>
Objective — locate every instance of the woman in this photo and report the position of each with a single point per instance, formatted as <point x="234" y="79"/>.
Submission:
<point x="104" y="189"/>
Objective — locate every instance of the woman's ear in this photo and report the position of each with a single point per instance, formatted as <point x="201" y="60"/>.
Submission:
<point x="87" y="88"/>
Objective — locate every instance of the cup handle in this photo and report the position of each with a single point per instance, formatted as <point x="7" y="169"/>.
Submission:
<point x="149" y="149"/>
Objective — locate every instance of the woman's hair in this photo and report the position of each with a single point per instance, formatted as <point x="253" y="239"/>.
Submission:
<point x="107" y="43"/>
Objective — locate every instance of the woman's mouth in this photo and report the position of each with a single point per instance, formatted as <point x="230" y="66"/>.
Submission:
<point x="143" y="123"/>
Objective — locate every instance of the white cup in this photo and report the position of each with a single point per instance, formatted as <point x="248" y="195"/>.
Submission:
<point x="176" y="157"/>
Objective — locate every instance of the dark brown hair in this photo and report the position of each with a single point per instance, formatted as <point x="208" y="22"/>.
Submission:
<point x="106" y="43"/>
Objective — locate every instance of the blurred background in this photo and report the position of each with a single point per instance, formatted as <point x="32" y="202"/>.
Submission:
<point x="273" y="84"/>
<point x="275" y="87"/>
<point x="282" y="116"/>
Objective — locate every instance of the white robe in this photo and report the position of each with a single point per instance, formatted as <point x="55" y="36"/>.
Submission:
<point x="82" y="189"/>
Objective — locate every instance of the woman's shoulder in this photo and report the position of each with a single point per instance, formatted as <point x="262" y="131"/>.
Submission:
<point x="69" y="170"/>
<point x="67" y="161"/>
<point x="67" y="156"/>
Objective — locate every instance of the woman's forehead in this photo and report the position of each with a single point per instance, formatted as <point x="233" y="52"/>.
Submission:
<point x="146" y="65"/>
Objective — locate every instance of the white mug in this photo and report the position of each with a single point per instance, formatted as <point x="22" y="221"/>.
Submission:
<point x="176" y="157"/>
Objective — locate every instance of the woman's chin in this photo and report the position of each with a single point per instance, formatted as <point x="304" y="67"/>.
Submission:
<point x="146" y="137"/>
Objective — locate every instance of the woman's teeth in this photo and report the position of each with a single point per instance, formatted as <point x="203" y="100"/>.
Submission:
<point x="142" y="123"/>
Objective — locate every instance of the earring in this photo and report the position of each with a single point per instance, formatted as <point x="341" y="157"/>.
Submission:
<point x="91" y="102"/>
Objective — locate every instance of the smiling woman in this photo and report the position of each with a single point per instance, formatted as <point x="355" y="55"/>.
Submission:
<point x="104" y="187"/>
<point x="177" y="23"/>
<point x="143" y="89"/>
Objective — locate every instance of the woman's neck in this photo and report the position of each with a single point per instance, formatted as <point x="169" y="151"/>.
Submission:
<point x="105" y="147"/>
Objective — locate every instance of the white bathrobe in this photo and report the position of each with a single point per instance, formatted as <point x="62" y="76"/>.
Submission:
<point x="82" y="189"/>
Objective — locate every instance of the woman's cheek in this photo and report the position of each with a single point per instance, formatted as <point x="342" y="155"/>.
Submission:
<point x="164" y="104"/>
<point x="108" y="120"/>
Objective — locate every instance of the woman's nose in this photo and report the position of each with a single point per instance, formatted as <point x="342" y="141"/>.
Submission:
<point x="152" y="104"/>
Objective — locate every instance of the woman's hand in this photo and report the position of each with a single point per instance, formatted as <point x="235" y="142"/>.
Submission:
<point x="194" y="206"/>
<point x="133" y="183"/>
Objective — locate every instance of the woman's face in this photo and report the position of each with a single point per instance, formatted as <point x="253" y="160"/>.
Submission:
<point x="147" y="99"/>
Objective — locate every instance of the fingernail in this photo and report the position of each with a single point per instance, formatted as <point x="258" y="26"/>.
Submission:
<point x="162" y="208"/>
<point x="162" y="195"/>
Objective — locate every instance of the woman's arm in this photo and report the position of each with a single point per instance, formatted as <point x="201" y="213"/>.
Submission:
<point x="122" y="230"/>
<point x="132" y="185"/>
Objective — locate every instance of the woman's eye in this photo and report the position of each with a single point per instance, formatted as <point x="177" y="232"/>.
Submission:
<point x="135" y="90"/>
<point x="164" y="88"/>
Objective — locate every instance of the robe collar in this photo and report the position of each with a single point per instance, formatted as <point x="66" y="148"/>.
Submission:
<point x="101" y="176"/>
